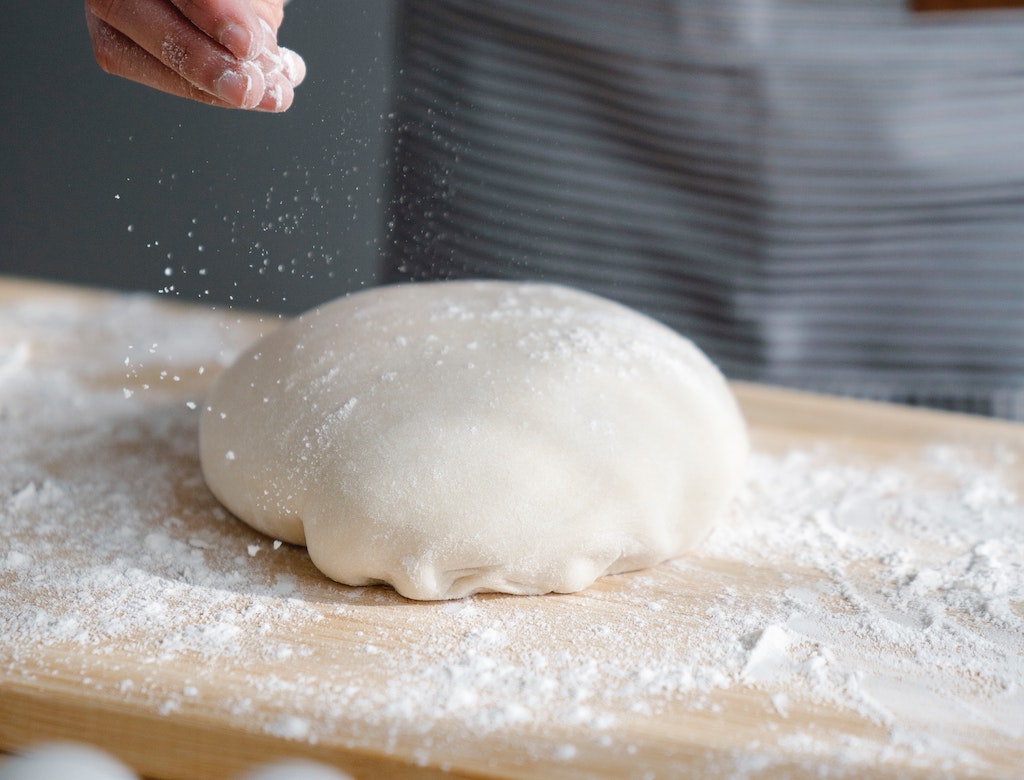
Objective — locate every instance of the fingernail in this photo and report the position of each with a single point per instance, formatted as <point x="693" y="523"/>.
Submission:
<point x="270" y="62"/>
<point x="239" y="88"/>
<point x="294" y="66"/>
<point x="278" y="95"/>
<point x="239" y="41"/>
<point x="232" y="86"/>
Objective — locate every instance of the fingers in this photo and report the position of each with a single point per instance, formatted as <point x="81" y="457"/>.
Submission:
<point x="195" y="61"/>
<point x="234" y="25"/>
<point x="120" y="56"/>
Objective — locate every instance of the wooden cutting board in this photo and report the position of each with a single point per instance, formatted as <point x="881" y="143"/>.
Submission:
<point x="803" y="639"/>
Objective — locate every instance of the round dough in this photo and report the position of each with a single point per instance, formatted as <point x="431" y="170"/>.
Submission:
<point x="295" y="770"/>
<point x="451" y="438"/>
<point x="64" y="759"/>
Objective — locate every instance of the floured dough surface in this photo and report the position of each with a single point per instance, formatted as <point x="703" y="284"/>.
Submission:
<point x="451" y="438"/>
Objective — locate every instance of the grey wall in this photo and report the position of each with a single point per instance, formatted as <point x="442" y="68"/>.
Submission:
<point x="108" y="183"/>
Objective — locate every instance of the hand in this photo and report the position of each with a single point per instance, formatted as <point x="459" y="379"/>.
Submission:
<point x="221" y="52"/>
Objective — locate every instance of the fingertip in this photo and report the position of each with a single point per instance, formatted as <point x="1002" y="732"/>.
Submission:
<point x="243" y="87"/>
<point x="294" y="66"/>
<point x="279" y="95"/>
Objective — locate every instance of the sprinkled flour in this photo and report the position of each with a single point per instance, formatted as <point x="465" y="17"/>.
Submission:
<point x="848" y="615"/>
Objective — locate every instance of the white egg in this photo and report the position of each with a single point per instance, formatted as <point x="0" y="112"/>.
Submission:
<point x="55" y="761"/>
<point x="295" y="770"/>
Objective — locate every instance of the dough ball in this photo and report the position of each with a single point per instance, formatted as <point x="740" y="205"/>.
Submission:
<point x="64" y="760"/>
<point x="295" y="770"/>
<point x="451" y="438"/>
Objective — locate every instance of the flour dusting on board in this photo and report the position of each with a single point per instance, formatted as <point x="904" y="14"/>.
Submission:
<point x="876" y="593"/>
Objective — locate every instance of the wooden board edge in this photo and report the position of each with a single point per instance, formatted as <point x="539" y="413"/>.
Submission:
<point x="178" y="747"/>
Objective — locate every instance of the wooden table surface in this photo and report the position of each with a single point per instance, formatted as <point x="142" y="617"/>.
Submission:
<point x="137" y="616"/>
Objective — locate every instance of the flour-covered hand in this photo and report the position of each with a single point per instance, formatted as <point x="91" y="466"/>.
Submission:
<point x="221" y="52"/>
